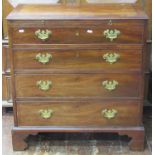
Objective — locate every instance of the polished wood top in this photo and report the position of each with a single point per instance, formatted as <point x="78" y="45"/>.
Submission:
<point x="98" y="12"/>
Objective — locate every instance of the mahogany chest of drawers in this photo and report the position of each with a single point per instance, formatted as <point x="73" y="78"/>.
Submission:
<point x="77" y="69"/>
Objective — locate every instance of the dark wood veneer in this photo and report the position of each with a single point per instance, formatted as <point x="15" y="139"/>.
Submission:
<point x="78" y="113"/>
<point x="78" y="85"/>
<point x="68" y="35"/>
<point x="82" y="12"/>
<point x="77" y="70"/>
<point x="81" y="60"/>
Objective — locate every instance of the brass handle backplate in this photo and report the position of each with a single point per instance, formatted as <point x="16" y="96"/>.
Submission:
<point x="43" y="34"/>
<point x="111" y="34"/>
<point x="44" y="85"/>
<point x="110" y="85"/>
<point x="111" y="57"/>
<point x="46" y="113"/>
<point x="43" y="58"/>
<point x="109" y="113"/>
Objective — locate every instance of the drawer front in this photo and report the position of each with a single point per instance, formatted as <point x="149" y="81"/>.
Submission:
<point x="78" y="85"/>
<point x="78" y="60"/>
<point x="119" y="32"/>
<point x="103" y="113"/>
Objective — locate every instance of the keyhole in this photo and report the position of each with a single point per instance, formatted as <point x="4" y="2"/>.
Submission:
<point x="110" y="22"/>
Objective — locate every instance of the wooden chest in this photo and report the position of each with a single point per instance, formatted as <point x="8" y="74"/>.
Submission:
<point x="77" y="69"/>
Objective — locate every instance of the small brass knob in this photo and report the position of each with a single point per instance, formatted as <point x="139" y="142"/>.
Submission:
<point x="109" y="113"/>
<point x="77" y="34"/>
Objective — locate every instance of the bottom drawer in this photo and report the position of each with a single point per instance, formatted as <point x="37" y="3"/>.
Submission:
<point x="105" y="113"/>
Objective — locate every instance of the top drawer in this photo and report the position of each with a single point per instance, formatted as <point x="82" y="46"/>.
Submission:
<point x="117" y="32"/>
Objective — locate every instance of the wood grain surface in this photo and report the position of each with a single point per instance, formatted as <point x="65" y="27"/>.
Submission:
<point x="77" y="99"/>
<point x="78" y="85"/>
<point x="129" y="33"/>
<point x="40" y="12"/>
<point x="5" y="59"/>
<point x="90" y="61"/>
<point x="78" y="113"/>
<point x="6" y="88"/>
